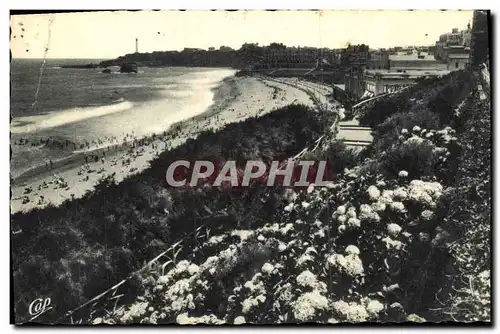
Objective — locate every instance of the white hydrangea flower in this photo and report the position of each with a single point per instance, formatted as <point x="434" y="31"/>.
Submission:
<point x="387" y="197"/>
<point x="381" y="183"/>
<point x="351" y="212"/>
<point x="306" y="205"/>
<point x="281" y="247"/>
<point x="193" y="269"/>
<point x="373" y="192"/>
<point x="425" y="192"/>
<point x="378" y="206"/>
<point x="404" y="131"/>
<point x="307" y="279"/>
<point x="365" y="209"/>
<point x="374" y="307"/>
<point x="352" y="312"/>
<point x="308" y="305"/>
<point x="341" y="219"/>
<point x="414" y="140"/>
<point x="267" y="268"/>
<point x="353" y="223"/>
<point x="394" y="229"/>
<point x="392" y="244"/>
<point x="367" y="213"/>
<point x="289" y="207"/>
<point x="398" y="206"/>
<point x="400" y="193"/>
<point x="416" y="128"/>
<point x="250" y="303"/>
<point x="341" y="210"/>
<point x="341" y="229"/>
<point x="135" y="311"/>
<point x="403" y="173"/>
<point x="261" y="238"/>
<point x="216" y="239"/>
<point x="304" y="259"/>
<point x="239" y="320"/>
<point x="429" y="135"/>
<point x="351" y="249"/>
<point x="350" y="264"/>
<point x="242" y="234"/>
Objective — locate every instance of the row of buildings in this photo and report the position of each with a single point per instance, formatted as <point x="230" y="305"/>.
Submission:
<point x="371" y="73"/>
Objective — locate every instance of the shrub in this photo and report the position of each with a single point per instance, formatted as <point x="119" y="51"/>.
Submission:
<point x="417" y="158"/>
<point x="387" y="133"/>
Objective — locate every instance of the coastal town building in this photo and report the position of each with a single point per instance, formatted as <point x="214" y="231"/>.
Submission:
<point x="414" y="60"/>
<point x="453" y="49"/>
<point x="378" y="82"/>
<point x="277" y="56"/>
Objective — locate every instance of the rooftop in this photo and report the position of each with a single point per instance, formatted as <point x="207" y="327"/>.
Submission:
<point x="409" y="73"/>
<point x="458" y="56"/>
<point x="413" y="57"/>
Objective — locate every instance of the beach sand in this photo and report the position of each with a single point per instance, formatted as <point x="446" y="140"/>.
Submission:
<point x="235" y="100"/>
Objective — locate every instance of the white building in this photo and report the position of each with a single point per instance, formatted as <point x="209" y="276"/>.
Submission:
<point x="378" y="82"/>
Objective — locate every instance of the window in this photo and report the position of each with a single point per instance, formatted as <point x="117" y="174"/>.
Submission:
<point x="456" y="64"/>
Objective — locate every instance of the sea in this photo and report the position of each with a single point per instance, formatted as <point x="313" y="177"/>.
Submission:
<point x="56" y="112"/>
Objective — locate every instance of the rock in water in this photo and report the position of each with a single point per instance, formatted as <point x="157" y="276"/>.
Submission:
<point x="128" y="68"/>
<point x="106" y="70"/>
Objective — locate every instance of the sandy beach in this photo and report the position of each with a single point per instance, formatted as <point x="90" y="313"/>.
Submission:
<point x="235" y="100"/>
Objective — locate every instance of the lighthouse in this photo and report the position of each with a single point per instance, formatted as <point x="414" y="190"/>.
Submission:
<point x="136" y="45"/>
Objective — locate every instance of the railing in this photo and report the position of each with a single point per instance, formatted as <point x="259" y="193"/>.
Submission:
<point x="110" y="297"/>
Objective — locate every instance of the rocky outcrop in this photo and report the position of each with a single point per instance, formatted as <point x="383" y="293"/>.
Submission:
<point x="128" y="68"/>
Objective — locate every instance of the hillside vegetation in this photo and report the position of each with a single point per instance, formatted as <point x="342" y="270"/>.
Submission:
<point x="402" y="234"/>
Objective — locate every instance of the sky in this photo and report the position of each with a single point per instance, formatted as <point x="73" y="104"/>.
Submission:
<point x="107" y="35"/>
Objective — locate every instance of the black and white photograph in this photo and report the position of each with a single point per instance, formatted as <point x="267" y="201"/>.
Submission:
<point x="250" y="167"/>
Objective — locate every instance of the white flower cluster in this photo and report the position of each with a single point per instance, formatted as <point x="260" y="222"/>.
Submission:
<point x="304" y="259"/>
<point x="367" y="213"/>
<point x="184" y="319"/>
<point x="426" y="193"/>
<point x="403" y="174"/>
<point x="447" y="134"/>
<point x="134" y="312"/>
<point x="239" y="320"/>
<point x="346" y="217"/>
<point x="373" y="193"/>
<point x="217" y="239"/>
<point x="392" y="244"/>
<point x="178" y="297"/>
<point x="398" y="207"/>
<point x="252" y="302"/>
<point x="350" y="264"/>
<point x="307" y="279"/>
<point x="358" y="312"/>
<point x="394" y="229"/>
<point x="242" y="234"/>
<point x="400" y="193"/>
<point x="267" y="268"/>
<point x="255" y="285"/>
<point x="306" y="307"/>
